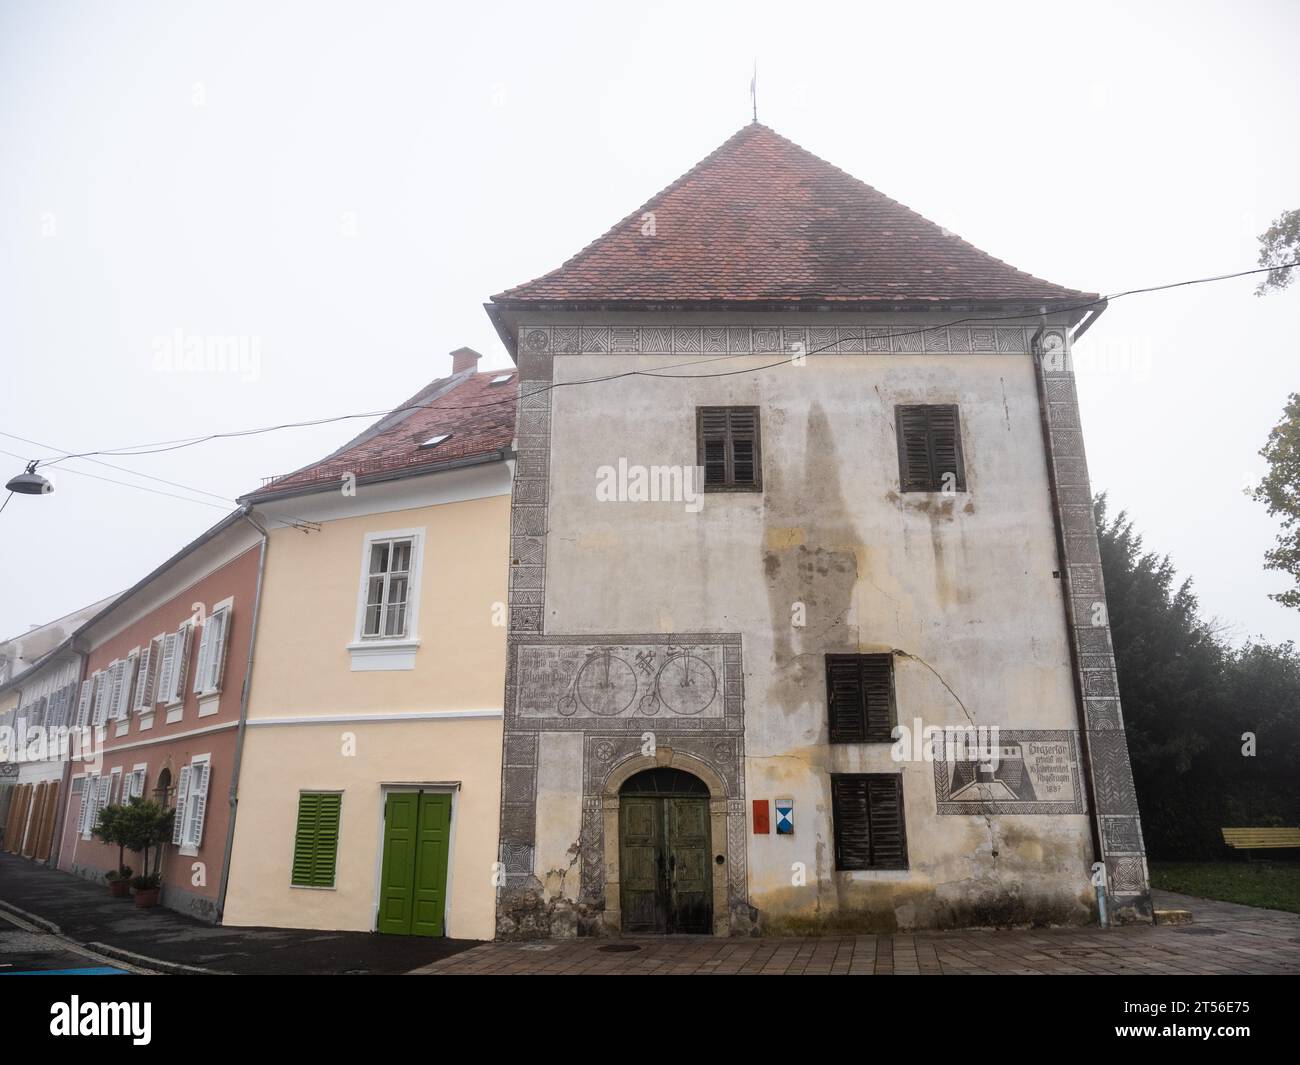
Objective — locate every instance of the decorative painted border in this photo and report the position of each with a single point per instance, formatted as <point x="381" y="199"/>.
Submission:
<point x="542" y="340"/>
<point x="1105" y="746"/>
<point x="1076" y="805"/>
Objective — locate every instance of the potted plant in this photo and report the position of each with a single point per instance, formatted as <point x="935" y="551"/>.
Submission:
<point x="119" y="880"/>
<point x="147" y="825"/>
<point x="147" y="889"/>
<point x="111" y="828"/>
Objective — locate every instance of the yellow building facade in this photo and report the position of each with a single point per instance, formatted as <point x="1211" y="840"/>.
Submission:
<point x="369" y="786"/>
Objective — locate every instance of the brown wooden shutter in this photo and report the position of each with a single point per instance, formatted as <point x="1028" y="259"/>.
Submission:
<point x="945" y="447"/>
<point x="888" y="834"/>
<point x="743" y="431"/>
<point x="852" y="823"/>
<point x="860" y="698"/>
<point x="929" y="446"/>
<point x="870" y="832"/>
<point x="844" y="699"/>
<point x="729" y="448"/>
<point x="878" y="687"/>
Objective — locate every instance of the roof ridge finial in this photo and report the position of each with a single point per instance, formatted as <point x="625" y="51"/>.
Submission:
<point x="753" y="91"/>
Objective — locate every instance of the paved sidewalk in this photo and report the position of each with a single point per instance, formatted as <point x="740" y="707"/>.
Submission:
<point x="1225" y="938"/>
<point x="87" y="915"/>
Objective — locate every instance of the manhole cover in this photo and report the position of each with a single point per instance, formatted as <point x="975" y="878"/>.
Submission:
<point x="618" y="948"/>
<point x="1200" y="931"/>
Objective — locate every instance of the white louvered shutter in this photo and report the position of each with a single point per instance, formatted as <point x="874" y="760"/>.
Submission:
<point x="141" y="700"/>
<point x="102" y="785"/>
<point x="217" y="661"/>
<point x="123" y="703"/>
<point x="205" y="656"/>
<point x="184" y="640"/>
<point x="59" y="710"/>
<point x="100" y="697"/>
<point x="114" y="787"/>
<point x="167" y="671"/>
<point x="182" y="794"/>
<point x="87" y="797"/>
<point x="111" y="687"/>
<point x="198" y="803"/>
<point x="83" y="705"/>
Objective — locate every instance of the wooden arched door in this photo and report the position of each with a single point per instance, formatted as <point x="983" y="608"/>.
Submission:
<point x="665" y="877"/>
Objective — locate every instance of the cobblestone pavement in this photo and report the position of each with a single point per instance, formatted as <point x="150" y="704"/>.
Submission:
<point x="1224" y="938"/>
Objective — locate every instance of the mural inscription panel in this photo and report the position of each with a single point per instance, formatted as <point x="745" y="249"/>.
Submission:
<point x="1033" y="772"/>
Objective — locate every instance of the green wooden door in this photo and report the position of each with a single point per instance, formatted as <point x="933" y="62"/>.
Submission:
<point x="665" y="879"/>
<point x="640" y="840"/>
<point x="413" y="883"/>
<point x="690" y="879"/>
<point x="431" y="864"/>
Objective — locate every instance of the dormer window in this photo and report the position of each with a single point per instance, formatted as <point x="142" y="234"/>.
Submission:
<point x="501" y="379"/>
<point x="434" y="441"/>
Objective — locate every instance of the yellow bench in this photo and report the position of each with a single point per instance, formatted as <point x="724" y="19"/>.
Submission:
<point x="1255" y="839"/>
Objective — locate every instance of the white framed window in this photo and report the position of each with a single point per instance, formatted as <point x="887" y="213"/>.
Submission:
<point x="114" y="786"/>
<point x="211" y="665"/>
<point x="387" y="629"/>
<point x="192" y="803"/>
<point x="136" y="781"/>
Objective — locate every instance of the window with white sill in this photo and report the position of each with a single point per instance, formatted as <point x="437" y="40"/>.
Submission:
<point x="386" y="635"/>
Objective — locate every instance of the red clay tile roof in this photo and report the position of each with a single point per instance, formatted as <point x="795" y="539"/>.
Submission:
<point x="479" y="415"/>
<point x="761" y="219"/>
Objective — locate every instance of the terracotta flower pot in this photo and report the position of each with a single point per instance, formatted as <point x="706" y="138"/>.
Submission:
<point x="119" y="889"/>
<point x="146" y="898"/>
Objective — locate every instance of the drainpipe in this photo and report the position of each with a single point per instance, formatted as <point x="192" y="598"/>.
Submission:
<point x="1085" y="767"/>
<point x="243" y="716"/>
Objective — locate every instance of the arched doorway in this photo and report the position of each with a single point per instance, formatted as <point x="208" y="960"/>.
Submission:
<point x="665" y="853"/>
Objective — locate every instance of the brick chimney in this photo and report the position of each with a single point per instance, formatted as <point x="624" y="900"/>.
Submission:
<point x="464" y="359"/>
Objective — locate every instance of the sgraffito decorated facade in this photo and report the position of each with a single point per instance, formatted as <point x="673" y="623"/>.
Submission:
<point x="807" y="628"/>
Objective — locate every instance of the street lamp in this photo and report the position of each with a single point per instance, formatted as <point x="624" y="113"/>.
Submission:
<point x="29" y="482"/>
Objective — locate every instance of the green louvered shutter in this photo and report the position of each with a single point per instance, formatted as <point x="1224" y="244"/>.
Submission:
<point x="316" y="841"/>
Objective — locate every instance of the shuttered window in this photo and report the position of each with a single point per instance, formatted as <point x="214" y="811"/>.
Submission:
<point x="867" y="809"/>
<point x="212" y="653"/>
<point x="729" y="449"/>
<point x="860" y="698"/>
<point x="929" y="448"/>
<point x="316" y="841"/>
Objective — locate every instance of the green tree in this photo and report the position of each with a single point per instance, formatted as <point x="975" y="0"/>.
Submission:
<point x="1279" y="244"/>
<point x="145" y="826"/>
<point x="110" y="828"/>
<point x="1213" y="731"/>
<point x="1279" y="491"/>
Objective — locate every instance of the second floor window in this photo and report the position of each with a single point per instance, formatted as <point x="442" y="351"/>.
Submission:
<point x="729" y="449"/>
<point x="388" y="585"/>
<point x="929" y="448"/>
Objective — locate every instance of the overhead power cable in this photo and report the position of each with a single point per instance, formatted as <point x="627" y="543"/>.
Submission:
<point x="183" y="442"/>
